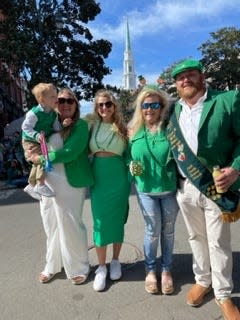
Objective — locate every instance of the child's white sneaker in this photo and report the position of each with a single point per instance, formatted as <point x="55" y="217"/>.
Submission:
<point x="43" y="190"/>
<point x="30" y="190"/>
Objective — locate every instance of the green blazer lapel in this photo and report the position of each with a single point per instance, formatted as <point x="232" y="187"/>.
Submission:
<point x="178" y="109"/>
<point x="207" y="106"/>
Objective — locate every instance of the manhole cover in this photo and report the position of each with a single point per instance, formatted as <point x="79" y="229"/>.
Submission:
<point x="130" y="254"/>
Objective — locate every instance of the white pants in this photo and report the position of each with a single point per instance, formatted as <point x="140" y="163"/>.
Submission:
<point x="209" y="238"/>
<point x="67" y="244"/>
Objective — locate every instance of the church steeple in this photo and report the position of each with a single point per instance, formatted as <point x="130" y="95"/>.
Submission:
<point x="128" y="44"/>
<point x="129" y="76"/>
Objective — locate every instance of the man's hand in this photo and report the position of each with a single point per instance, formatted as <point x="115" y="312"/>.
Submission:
<point x="227" y="177"/>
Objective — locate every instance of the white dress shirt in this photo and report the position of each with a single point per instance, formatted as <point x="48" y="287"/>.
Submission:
<point x="189" y="121"/>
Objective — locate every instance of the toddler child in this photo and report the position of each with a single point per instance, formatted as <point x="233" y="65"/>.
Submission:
<point x="42" y="117"/>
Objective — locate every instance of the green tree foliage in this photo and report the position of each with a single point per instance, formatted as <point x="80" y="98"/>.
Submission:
<point x="34" y="44"/>
<point x="221" y="58"/>
<point x="168" y="83"/>
<point x="126" y="99"/>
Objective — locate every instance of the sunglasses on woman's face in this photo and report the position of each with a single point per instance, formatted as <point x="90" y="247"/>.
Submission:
<point x="66" y="100"/>
<point x="152" y="105"/>
<point x="107" y="104"/>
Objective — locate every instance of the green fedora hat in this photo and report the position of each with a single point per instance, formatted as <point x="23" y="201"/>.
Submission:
<point x="186" y="65"/>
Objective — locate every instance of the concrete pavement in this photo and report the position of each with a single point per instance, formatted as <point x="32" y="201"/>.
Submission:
<point x="22" y="250"/>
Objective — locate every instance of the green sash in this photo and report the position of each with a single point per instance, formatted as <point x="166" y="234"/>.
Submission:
<point x="198" y="174"/>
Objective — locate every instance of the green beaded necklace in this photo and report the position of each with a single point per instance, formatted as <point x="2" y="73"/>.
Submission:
<point x="148" y="146"/>
<point x="106" y="138"/>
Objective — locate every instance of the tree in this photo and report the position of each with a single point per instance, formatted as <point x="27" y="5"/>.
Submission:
<point x="221" y="58"/>
<point x="126" y="100"/>
<point x="33" y="44"/>
<point x="166" y="82"/>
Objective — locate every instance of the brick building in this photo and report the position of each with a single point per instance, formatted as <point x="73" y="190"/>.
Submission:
<point x="12" y="93"/>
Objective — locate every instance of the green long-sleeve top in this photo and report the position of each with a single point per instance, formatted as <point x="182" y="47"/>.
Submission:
<point x="159" y="172"/>
<point x="74" y="156"/>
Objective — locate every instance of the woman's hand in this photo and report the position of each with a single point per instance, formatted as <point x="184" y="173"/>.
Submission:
<point x="67" y="122"/>
<point x="136" y="168"/>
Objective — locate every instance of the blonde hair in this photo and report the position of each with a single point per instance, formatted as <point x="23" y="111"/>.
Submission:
<point x="137" y="120"/>
<point x="41" y="89"/>
<point x="117" y="118"/>
<point x="66" y="130"/>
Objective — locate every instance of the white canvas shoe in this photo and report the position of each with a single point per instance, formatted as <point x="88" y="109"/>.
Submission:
<point x="115" y="270"/>
<point x="100" y="278"/>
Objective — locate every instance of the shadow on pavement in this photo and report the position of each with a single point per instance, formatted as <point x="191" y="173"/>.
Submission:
<point x="11" y="196"/>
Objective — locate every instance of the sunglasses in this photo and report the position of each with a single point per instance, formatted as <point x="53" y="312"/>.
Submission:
<point x="151" y="105"/>
<point x="67" y="100"/>
<point x="107" y="104"/>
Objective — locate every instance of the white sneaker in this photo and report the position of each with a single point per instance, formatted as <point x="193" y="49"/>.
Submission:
<point x="115" y="270"/>
<point x="100" y="278"/>
<point x="43" y="190"/>
<point x="30" y="190"/>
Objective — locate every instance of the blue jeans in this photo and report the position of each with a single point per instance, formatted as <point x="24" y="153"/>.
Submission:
<point x="159" y="213"/>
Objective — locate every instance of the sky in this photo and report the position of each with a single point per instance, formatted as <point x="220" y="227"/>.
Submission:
<point x="162" y="32"/>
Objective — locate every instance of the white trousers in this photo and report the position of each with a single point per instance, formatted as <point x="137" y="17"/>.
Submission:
<point x="67" y="244"/>
<point x="209" y="238"/>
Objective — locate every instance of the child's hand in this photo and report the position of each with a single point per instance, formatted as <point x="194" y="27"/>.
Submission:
<point x="67" y="122"/>
<point x="35" y="158"/>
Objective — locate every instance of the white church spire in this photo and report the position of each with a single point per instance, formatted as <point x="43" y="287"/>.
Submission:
<point x="129" y="76"/>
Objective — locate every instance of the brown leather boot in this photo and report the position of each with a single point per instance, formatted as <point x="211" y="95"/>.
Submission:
<point x="196" y="294"/>
<point x="228" y="308"/>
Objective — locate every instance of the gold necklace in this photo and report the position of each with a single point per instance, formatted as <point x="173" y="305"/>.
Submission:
<point x="152" y="128"/>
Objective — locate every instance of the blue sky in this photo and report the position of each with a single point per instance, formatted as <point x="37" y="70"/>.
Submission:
<point x="161" y="31"/>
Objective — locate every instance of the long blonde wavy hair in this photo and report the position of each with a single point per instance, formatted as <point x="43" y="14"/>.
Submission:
<point x="137" y="120"/>
<point x="117" y="118"/>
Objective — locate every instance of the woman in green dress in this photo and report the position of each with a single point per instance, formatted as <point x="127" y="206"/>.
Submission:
<point x="109" y="195"/>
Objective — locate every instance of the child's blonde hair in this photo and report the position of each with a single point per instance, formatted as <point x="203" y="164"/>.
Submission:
<point x="41" y="89"/>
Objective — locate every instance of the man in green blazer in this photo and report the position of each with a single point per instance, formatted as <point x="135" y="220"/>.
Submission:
<point x="209" y="122"/>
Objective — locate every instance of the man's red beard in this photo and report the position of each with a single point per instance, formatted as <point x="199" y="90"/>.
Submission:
<point x="190" y="91"/>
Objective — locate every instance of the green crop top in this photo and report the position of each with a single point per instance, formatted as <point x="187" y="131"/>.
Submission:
<point x="104" y="138"/>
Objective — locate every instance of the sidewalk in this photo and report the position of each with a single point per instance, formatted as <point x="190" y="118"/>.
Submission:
<point x="22" y="251"/>
<point x="3" y="183"/>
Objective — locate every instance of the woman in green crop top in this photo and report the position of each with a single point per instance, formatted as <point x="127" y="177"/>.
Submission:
<point x="109" y="194"/>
